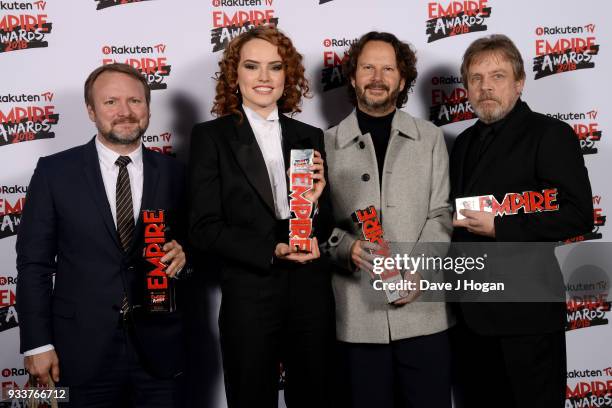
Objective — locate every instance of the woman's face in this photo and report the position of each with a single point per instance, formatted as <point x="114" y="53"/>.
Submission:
<point x="261" y="76"/>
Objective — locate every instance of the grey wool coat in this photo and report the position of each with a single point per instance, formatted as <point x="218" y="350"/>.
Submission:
<point x="413" y="205"/>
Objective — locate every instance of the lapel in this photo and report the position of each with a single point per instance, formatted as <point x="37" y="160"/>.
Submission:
<point x="93" y="175"/>
<point x="403" y="128"/>
<point x="151" y="175"/>
<point x="512" y="130"/>
<point x="250" y="159"/>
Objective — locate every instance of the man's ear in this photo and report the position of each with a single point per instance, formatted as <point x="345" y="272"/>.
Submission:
<point x="91" y="112"/>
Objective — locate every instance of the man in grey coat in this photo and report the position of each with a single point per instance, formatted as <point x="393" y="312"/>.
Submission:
<point x="381" y="156"/>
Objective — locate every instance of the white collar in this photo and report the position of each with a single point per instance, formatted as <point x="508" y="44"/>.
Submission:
<point x="254" y="116"/>
<point x="108" y="157"/>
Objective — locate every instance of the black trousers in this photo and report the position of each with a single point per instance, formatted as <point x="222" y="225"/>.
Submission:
<point x="286" y="316"/>
<point x="509" y="371"/>
<point x="410" y="373"/>
<point x="123" y="381"/>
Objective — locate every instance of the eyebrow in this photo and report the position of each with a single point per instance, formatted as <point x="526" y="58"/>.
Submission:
<point x="258" y="62"/>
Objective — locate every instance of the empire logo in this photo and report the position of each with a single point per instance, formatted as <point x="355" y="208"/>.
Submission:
<point x="587" y="311"/>
<point x="227" y="25"/>
<point x="24" y="123"/>
<point x="585" y="126"/>
<point x="331" y="75"/>
<point x="590" y="394"/>
<point x="447" y="19"/>
<point x="449" y="103"/>
<point x="10" y="213"/>
<point x="150" y="60"/>
<point x="8" y="314"/>
<point x="159" y="143"/>
<point x="564" y="54"/>
<point x="599" y="220"/>
<point x="102" y="4"/>
<point x="24" y="31"/>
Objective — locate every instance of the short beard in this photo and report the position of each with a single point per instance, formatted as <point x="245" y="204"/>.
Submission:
<point x="125" y="141"/>
<point x="373" y="106"/>
<point x="492" y="115"/>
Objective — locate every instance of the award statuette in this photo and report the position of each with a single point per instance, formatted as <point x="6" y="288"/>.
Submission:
<point x="300" y="182"/>
<point x="159" y="288"/>
<point x="372" y="231"/>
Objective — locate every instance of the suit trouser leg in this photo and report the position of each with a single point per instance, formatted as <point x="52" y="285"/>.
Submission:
<point x="422" y="371"/>
<point x="309" y="341"/>
<point x="123" y="382"/>
<point x="369" y="368"/>
<point x="251" y="326"/>
<point x="511" y="371"/>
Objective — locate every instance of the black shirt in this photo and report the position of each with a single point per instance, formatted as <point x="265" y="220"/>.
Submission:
<point x="482" y="138"/>
<point x="379" y="129"/>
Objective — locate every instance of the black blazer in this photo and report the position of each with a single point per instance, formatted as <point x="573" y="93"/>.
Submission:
<point x="532" y="152"/>
<point x="231" y="203"/>
<point x="67" y="229"/>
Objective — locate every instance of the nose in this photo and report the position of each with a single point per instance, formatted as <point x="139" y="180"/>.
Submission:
<point x="123" y="108"/>
<point x="486" y="84"/>
<point x="264" y="75"/>
<point x="377" y="74"/>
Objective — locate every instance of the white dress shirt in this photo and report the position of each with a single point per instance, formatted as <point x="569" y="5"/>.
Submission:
<point x="269" y="138"/>
<point x="110" y="171"/>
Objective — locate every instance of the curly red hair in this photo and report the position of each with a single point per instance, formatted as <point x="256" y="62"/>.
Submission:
<point x="228" y="100"/>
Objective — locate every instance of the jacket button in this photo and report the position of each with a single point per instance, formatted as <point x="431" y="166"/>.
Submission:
<point x="365" y="177"/>
<point x="361" y="145"/>
<point x="333" y="239"/>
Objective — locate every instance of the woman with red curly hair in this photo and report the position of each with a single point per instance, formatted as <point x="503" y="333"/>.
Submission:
<point x="277" y="303"/>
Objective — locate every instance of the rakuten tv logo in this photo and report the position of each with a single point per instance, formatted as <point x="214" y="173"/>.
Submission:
<point x="24" y="121"/>
<point x="446" y="19"/>
<point x="334" y="55"/>
<point x="161" y="143"/>
<point x="449" y="103"/>
<point x="24" y="31"/>
<point x="102" y="4"/>
<point x="585" y="126"/>
<point x="150" y="60"/>
<point x="564" y="54"/>
<point x="228" y="24"/>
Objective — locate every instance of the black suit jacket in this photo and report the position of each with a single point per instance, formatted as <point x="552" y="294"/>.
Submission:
<point x="231" y="203"/>
<point x="532" y="152"/>
<point x="67" y="229"/>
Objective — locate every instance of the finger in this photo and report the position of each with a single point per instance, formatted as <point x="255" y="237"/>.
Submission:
<point x="55" y="371"/>
<point x="169" y="256"/>
<point x="316" y="252"/>
<point x="317" y="154"/>
<point x="171" y="245"/>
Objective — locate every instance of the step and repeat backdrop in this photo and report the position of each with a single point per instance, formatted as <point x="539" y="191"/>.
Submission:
<point x="47" y="49"/>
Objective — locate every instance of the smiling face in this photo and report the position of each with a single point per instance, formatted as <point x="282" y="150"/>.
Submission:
<point x="492" y="87"/>
<point x="119" y="110"/>
<point x="261" y="76"/>
<point x="377" y="80"/>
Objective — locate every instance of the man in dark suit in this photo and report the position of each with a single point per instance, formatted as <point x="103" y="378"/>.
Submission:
<point x="81" y="223"/>
<point x="513" y="354"/>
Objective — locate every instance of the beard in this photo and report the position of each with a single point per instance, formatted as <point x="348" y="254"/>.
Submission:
<point x="126" y="138"/>
<point x="491" y="112"/>
<point x="377" y="106"/>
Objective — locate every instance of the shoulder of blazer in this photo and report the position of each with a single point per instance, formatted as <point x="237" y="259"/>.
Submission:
<point x="301" y="125"/>
<point x="65" y="160"/>
<point x="215" y="125"/>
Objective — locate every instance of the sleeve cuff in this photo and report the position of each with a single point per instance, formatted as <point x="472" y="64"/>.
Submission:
<point x="38" y="350"/>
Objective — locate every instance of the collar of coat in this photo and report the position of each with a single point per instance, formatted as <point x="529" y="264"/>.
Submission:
<point x="402" y="125"/>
